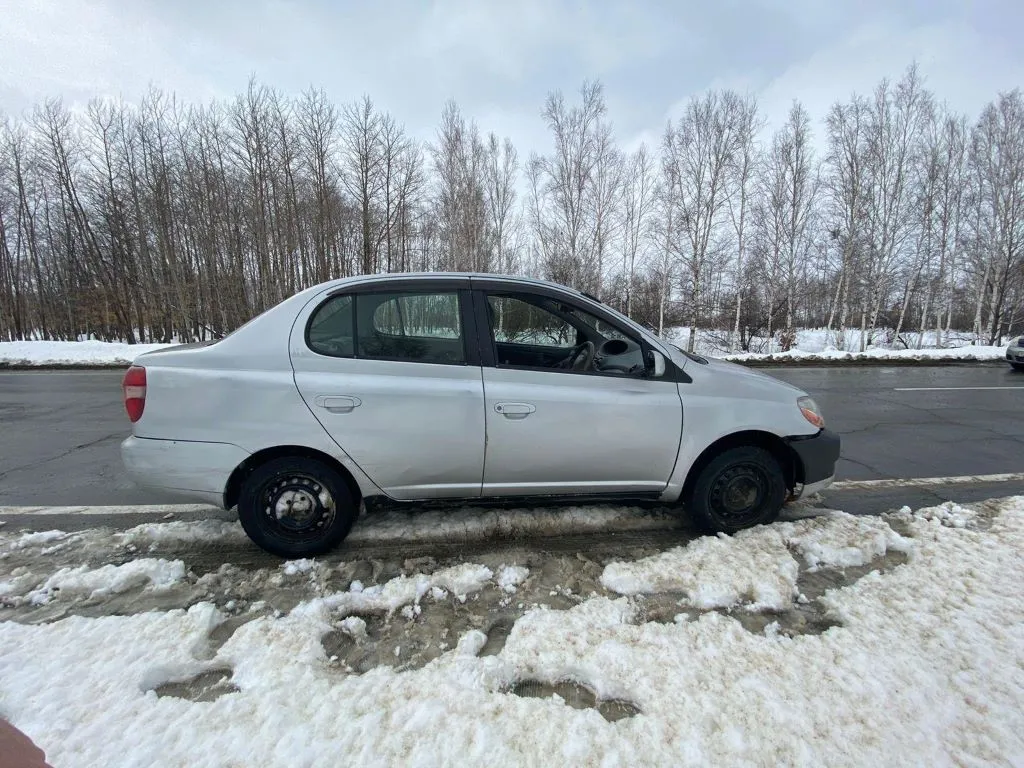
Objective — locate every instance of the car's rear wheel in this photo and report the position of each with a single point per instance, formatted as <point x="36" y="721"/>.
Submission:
<point x="296" y="507"/>
<point x="740" y="488"/>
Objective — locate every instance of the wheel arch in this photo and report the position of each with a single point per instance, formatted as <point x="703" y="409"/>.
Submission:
<point x="792" y="468"/>
<point x="234" y="485"/>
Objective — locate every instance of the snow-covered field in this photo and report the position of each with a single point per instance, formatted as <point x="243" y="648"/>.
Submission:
<point x="818" y="344"/>
<point x="830" y="639"/>
<point x="84" y="353"/>
<point x="811" y="345"/>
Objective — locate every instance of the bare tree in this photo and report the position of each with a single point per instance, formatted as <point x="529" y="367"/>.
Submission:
<point x="743" y="168"/>
<point x="998" y="157"/>
<point x="501" y="174"/>
<point x="697" y="154"/>
<point x="362" y="173"/>
<point x="638" y="204"/>
<point x="570" y="186"/>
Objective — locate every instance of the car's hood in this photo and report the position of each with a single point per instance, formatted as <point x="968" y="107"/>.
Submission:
<point x="751" y="381"/>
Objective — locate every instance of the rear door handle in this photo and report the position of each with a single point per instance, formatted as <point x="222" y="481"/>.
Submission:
<point x="338" y="403"/>
<point x="514" y="410"/>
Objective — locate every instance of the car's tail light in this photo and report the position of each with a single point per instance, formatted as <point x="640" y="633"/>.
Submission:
<point x="134" y="386"/>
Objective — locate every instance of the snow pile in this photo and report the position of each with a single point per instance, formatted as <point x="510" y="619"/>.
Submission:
<point x="180" y="533"/>
<point x="82" y="353"/>
<point x="109" y="579"/>
<point x="848" y="540"/>
<point x="37" y="539"/>
<point x="469" y="524"/>
<point x="755" y="568"/>
<point x="460" y="580"/>
<point x="874" y="353"/>
<point x="751" y="568"/>
<point x="820" y="344"/>
<point x="948" y="513"/>
<point x="296" y="567"/>
<point x="511" y="576"/>
<point x="924" y="670"/>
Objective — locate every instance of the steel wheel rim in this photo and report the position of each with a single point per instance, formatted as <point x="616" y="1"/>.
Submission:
<point x="297" y="505"/>
<point x="739" y="492"/>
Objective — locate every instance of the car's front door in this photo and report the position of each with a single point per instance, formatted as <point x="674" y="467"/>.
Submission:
<point x="553" y="430"/>
<point x="394" y="377"/>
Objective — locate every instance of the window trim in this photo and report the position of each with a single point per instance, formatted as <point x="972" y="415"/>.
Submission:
<point x="470" y="352"/>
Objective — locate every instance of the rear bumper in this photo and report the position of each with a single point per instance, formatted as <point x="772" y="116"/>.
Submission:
<point x="818" y="455"/>
<point x="191" y="469"/>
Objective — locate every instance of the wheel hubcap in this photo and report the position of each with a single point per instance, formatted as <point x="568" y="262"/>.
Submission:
<point x="739" y="493"/>
<point x="298" y="504"/>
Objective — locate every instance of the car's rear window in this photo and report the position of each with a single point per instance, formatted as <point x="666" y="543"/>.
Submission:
<point x="400" y="326"/>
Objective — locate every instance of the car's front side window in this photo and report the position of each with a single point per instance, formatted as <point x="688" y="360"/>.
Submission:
<point x="539" y="332"/>
<point x="515" y="321"/>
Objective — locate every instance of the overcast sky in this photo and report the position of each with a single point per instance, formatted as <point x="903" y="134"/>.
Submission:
<point x="499" y="59"/>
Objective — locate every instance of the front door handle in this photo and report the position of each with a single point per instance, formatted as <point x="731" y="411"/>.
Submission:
<point x="515" y="410"/>
<point x="338" y="403"/>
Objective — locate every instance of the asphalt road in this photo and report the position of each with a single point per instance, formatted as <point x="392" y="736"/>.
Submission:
<point x="60" y="433"/>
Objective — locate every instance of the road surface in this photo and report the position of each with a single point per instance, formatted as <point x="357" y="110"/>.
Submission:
<point x="61" y="431"/>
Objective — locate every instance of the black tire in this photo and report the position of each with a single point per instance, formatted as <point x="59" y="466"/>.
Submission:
<point x="1017" y="366"/>
<point x="740" y="488"/>
<point x="319" y="496"/>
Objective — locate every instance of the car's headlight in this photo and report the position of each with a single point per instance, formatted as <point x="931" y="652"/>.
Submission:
<point x="811" y="412"/>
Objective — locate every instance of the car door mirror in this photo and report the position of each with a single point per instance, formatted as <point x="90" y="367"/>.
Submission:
<point x="655" y="364"/>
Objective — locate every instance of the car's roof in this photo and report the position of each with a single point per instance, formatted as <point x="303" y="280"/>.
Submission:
<point x="398" y="276"/>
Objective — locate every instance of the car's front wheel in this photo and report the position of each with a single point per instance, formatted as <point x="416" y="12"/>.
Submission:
<point x="740" y="488"/>
<point x="296" y="507"/>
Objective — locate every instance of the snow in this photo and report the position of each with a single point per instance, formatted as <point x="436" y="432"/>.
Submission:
<point x="756" y="568"/>
<point x="511" y="576"/>
<point x="295" y="567"/>
<point x="811" y="345"/>
<point x="924" y="669"/>
<point x="460" y="580"/>
<point x="109" y="579"/>
<point x="37" y="539"/>
<point x="475" y="523"/>
<point x="976" y="353"/>
<point x="818" y="344"/>
<point x="85" y="353"/>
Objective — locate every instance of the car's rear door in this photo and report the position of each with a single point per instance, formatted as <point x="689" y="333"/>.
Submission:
<point x="392" y="373"/>
<point x="557" y="431"/>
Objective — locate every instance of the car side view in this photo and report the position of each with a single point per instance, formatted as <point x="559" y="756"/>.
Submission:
<point x="418" y="387"/>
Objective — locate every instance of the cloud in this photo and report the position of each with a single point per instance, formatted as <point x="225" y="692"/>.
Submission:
<point x="498" y="59"/>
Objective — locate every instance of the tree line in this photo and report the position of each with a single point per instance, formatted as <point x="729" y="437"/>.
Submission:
<point x="165" y="220"/>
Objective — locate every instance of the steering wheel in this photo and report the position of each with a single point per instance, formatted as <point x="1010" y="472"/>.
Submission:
<point x="581" y="358"/>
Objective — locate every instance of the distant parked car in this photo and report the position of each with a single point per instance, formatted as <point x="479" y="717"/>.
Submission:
<point x="1015" y="354"/>
<point x="458" y="386"/>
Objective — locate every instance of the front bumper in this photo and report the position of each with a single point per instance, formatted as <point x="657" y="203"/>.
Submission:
<point x="187" y="468"/>
<point x="817" y="454"/>
<point x="1015" y="354"/>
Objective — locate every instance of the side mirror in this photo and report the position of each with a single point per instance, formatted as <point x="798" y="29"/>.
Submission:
<point x="655" y="364"/>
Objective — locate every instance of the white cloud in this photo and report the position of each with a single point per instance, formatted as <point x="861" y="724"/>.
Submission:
<point x="499" y="59"/>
